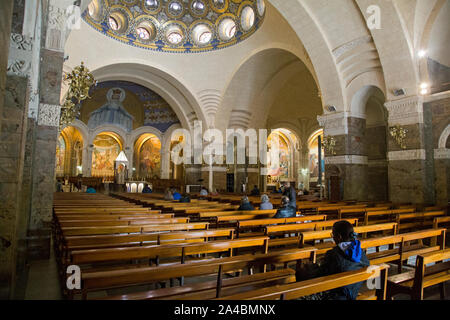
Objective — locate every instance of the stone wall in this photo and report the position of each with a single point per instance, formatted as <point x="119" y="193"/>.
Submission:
<point x="13" y="131"/>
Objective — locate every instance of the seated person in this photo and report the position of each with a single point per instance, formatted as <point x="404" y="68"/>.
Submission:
<point x="347" y="255"/>
<point x="168" y="195"/>
<point x="265" y="203"/>
<point x="305" y="192"/>
<point x="146" y="189"/>
<point x="176" y="195"/>
<point x="91" y="189"/>
<point x="185" y="198"/>
<point x="255" y="191"/>
<point x="285" y="211"/>
<point x="215" y="193"/>
<point x="245" y="205"/>
<point x="203" y="192"/>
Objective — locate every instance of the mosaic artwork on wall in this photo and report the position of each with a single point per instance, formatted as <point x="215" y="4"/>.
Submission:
<point x="60" y="156"/>
<point x="150" y="158"/>
<point x="106" y="151"/>
<point x="280" y="171"/>
<point x="127" y="105"/>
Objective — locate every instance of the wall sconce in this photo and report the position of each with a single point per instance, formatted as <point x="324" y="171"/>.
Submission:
<point x="328" y="144"/>
<point x="399" y="135"/>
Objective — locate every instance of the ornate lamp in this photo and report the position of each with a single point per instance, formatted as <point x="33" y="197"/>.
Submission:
<point x="399" y="135"/>
<point x="80" y="81"/>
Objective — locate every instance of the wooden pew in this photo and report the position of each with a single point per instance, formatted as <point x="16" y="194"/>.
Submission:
<point x="406" y="249"/>
<point x="296" y="229"/>
<point x="243" y="225"/>
<point x="389" y="215"/>
<point x="308" y="287"/>
<point x="181" y="250"/>
<point x="312" y="236"/>
<point x="442" y="222"/>
<point x="103" y="223"/>
<point x="417" y="219"/>
<point x="94" y="281"/>
<point x="78" y="231"/>
<point x="415" y="281"/>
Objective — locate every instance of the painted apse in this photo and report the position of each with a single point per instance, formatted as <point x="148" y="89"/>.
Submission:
<point x="126" y="106"/>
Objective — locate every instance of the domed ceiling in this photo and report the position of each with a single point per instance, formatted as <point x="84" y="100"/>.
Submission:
<point x="181" y="26"/>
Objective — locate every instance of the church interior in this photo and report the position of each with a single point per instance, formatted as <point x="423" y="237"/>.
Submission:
<point x="214" y="149"/>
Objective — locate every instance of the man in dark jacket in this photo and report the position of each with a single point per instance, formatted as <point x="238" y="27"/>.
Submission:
<point x="185" y="198"/>
<point x="289" y="191"/>
<point x="346" y="256"/>
<point x="245" y="205"/>
<point x="285" y="211"/>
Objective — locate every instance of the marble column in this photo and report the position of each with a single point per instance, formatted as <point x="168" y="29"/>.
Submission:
<point x="410" y="177"/>
<point x="349" y="157"/>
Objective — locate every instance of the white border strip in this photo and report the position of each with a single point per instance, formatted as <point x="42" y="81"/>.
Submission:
<point x="418" y="154"/>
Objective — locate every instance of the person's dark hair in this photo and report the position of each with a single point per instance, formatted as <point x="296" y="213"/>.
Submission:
<point x="344" y="230"/>
<point x="284" y="200"/>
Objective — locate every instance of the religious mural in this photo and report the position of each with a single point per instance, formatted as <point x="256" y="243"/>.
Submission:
<point x="106" y="151"/>
<point x="60" y="156"/>
<point x="278" y="171"/>
<point x="150" y="158"/>
<point x="313" y="165"/>
<point x="127" y="105"/>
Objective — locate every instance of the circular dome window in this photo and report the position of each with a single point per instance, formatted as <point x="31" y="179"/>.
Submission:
<point x="247" y="18"/>
<point x="201" y="34"/>
<point x="151" y="5"/>
<point x="95" y="10"/>
<point x="261" y="6"/>
<point x="175" y="8"/>
<point x="118" y="22"/>
<point x="198" y="7"/>
<point x="174" y="35"/>
<point x="227" y="29"/>
<point x="146" y="31"/>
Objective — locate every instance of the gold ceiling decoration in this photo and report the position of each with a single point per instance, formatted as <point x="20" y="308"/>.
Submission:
<point x="80" y="81"/>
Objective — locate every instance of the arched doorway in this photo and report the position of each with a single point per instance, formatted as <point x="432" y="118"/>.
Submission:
<point x="106" y="149"/>
<point x="147" y="157"/>
<point x="69" y="152"/>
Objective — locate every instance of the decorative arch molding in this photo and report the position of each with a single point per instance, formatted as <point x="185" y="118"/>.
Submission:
<point x="177" y="95"/>
<point x="135" y="134"/>
<point x="444" y="137"/>
<point x="109" y="128"/>
<point x="82" y="128"/>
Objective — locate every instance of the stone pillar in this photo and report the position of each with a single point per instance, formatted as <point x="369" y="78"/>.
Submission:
<point x="439" y="106"/>
<point x="350" y="157"/>
<point x="193" y="174"/>
<point x="410" y="175"/>
<point x="219" y="177"/>
<point x="165" y="164"/>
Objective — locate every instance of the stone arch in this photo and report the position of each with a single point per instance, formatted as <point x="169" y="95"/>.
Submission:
<point x="444" y="137"/>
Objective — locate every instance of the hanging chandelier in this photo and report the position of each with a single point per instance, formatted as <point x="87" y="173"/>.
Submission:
<point x="176" y="25"/>
<point x="80" y="80"/>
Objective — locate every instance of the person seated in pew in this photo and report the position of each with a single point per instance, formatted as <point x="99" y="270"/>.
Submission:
<point x="215" y="193"/>
<point x="289" y="191"/>
<point x="347" y="255"/>
<point x="286" y="210"/>
<point x="91" y="189"/>
<point x="203" y="192"/>
<point x="147" y="189"/>
<point x="265" y="203"/>
<point x="185" y="198"/>
<point x="255" y="191"/>
<point x="176" y="195"/>
<point x="168" y="194"/>
<point x="245" y="205"/>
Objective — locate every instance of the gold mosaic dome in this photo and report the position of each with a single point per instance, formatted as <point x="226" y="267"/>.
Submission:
<point x="182" y="26"/>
